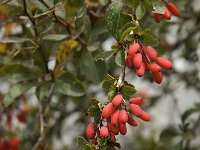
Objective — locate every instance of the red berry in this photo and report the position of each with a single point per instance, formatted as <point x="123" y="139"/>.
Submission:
<point x="94" y="141"/>
<point x="136" y="100"/>
<point x="21" y="117"/>
<point x="145" y="116"/>
<point x="151" y="53"/>
<point x="157" y="17"/>
<point x="137" y="60"/>
<point x="122" y="128"/>
<point x="117" y="100"/>
<point x="114" y="117"/>
<point x="123" y="116"/>
<point x="108" y="110"/>
<point x="104" y="131"/>
<point x="153" y="67"/>
<point x="113" y="128"/>
<point x="129" y="62"/>
<point x="167" y="14"/>
<point x="140" y="71"/>
<point x="131" y="121"/>
<point x="157" y="76"/>
<point x="174" y="10"/>
<point x="133" y="49"/>
<point x="14" y="143"/>
<point x="112" y="136"/>
<point x="91" y="130"/>
<point x="136" y="110"/>
<point x="164" y="63"/>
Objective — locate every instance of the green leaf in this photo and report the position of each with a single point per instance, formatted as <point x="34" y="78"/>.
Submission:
<point x="55" y="37"/>
<point x="68" y="84"/>
<point x="94" y="71"/>
<point x="189" y="112"/>
<point x="105" y="55"/>
<point x="140" y="11"/>
<point x="112" y="16"/>
<point x="42" y="90"/>
<point x="81" y="140"/>
<point x="103" y="143"/>
<point x="15" y="40"/>
<point x="111" y="95"/>
<point x="130" y="26"/>
<point x="120" y="58"/>
<point x="167" y="135"/>
<point x="148" y="39"/>
<point x="60" y="10"/>
<point x="94" y="109"/>
<point x="158" y="7"/>
<point x="14" y="92"/>
<point x="108" y="83"/>
<point x="19" y="72"/>
<point x="127" y="90"/>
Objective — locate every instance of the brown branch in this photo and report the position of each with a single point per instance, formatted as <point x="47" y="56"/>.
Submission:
<point x="37" y="37"/>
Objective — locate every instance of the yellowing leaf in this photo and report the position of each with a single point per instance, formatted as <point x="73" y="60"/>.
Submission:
<point x="2" y="48"/>
<point x="63" y="53"/>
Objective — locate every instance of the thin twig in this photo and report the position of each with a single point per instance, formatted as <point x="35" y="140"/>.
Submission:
<point x="37" y="37"/>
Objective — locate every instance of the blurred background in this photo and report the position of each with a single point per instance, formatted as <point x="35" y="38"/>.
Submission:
<point x="173" y="105"/>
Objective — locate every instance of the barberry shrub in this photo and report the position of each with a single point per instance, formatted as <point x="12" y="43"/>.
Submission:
<point x="54" y="59"/>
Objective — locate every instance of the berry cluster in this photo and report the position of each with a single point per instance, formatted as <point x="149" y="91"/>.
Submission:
<point x="169" y="10"/>
<point x="144" y="58"/>
<point x="114" y="117"/>
<point x="11" y="144"/>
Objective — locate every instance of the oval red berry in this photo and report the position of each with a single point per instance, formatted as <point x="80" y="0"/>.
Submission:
<point x="123" y="116"/>
<point x="136" y="110"/>
<point x="122" y="128"/>
<point x="174" y="10"/>
<point x="164" y="63"/>
<point x="90" y="130"/>
<point x="117" y="100"/>
<point x="108" y="110"/>
<point x="133" y="49"/>
<point x="136" y="100"/>
<point x="104" y="131"/>
<point x="157" y="77"/>
<point x="137" y="60"/>
<point x="151" y="53"/>
<point x="114" y="117"/>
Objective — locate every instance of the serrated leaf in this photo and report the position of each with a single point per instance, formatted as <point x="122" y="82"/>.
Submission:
<point x="108" y="83"/>
<point x="127" y="90"/>
<point x="112" y="17"/>
<point x="120" y="58"/>
<point x="189" y="112"/>
<point x="140" y="10"/>
<point x="105" y="55"/>
<point x="19" y="72"/>
<point x="148" y="39"/>
<point x="158" y="7"/>
<point x="55" y="37"/>
<point x="14" y="92"/>
<point x="68" y="84"/>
